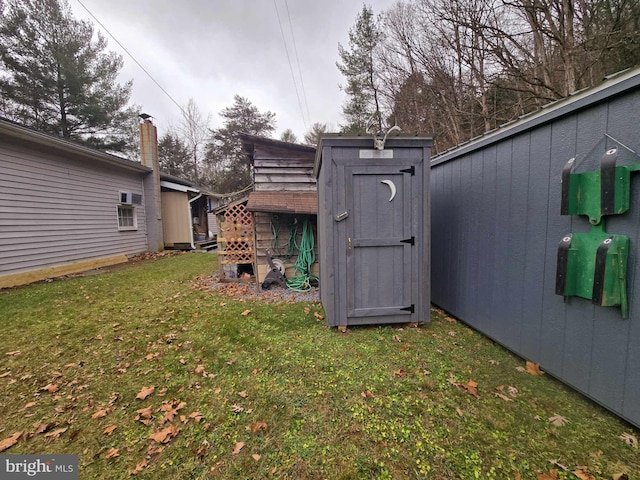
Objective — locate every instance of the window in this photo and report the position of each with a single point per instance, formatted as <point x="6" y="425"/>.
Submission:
<point x="127" y="219"/>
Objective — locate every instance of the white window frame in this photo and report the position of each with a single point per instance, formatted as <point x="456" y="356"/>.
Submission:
<point x="134" y="217"/>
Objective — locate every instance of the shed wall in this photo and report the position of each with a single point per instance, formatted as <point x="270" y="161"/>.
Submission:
<point x="496" y="226"/>
<point x="279" y="169"/>
<point x="176" y="218"/>
<point x="58" y="209"/>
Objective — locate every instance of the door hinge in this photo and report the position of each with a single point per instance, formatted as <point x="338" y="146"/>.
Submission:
<point x="411" y="308"/>
<point x="411" y="170"/>
<point x="411" y="241"/>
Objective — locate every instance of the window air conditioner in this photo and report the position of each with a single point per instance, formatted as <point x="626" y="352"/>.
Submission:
<point x="126" y="198"/>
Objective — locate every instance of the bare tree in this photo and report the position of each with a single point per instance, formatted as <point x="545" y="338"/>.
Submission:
<point x="193" y="129"/>
<point x="312" y="137"/>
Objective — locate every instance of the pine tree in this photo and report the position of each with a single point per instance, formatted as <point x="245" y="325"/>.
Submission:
<point x="174" y="156"/>
<point x="225" y="153"/>
<point x="56" y="77"/>
<point x="358" y="67"/>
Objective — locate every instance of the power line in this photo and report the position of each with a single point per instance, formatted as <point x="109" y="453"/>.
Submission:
<point x="295" y="49"/>
<point x="293" y="77"/>
<point x="133" y="58"/>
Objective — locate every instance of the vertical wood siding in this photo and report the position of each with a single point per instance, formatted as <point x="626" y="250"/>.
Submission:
<point x="496" y="226"/>
<point x="55" y="209"/>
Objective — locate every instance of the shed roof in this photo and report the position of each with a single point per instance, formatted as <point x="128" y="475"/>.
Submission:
<point x="250" y="141"/>
<point x="284" y="202"/>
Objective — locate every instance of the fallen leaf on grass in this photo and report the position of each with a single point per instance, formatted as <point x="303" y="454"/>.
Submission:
<point x="583" y="473"/>
<point x="558" y="420"/>
<point x="256" y="427"/>
<point x="400" y="373"/>
<point x="307" y="310"/>
<point x="165" y="435"/>
<point x="318" y="316"/>
<point x="471" y="387"/>
<point x="109" y="429"/>
<point x="243" y="394"/>
<point x="503" y="397"/>
<point x="56" y="433"/>
<point x="101" y="413"/>
<point x="459" y="412"/>
<point x="534" y="369"/>
<point x="256" y="457"/>
<point x="145" y="392"/>
<point x="112" y="453"/>
<point x="245" y="313"/>
<point x="15" y="353"/>
<point x="10" y="441"/>
<point x="5" y="374"/>
<point x="139" y="468"/>
<point x="40" y="427"/>
<point x="236" y="408"/>
<point x="550" y="475"/>
<point x="145" y="414"/>
<point x="396" y="338"/>
<point x="50" y="388"/>
<point x="237" y="447"/>
<point x="367" y="394"/>
<point x="197" y="416"/>
<point x="629" y="439"/>
<point x="200" y="370"/>
<point x="27" y="405"/>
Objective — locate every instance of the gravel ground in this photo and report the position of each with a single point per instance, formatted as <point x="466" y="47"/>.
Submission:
<point x="248" y="290"/>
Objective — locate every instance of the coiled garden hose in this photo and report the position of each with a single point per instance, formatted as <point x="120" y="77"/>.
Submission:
<point x="301" y="281"/>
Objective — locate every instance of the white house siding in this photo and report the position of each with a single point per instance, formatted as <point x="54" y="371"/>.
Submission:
<point x="56" y="209"/>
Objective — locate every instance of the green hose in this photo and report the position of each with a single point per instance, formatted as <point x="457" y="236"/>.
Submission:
<point x="301" y="281"/>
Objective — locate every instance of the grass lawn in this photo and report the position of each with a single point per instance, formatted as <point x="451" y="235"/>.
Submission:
<point x="140" y="373"/>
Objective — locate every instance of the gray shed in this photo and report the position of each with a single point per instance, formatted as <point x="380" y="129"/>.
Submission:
<point x="373" y="230"/>
<point x="499" y="226"/>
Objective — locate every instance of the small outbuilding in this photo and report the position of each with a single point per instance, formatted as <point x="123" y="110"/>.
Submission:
<point x="373" y="226"/>
<point x="284" y="206"/>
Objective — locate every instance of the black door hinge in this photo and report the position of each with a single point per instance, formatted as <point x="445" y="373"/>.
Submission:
<point x="411" y="170"/>
<point x="411" y="241"/>
<point x="411" y="308"/>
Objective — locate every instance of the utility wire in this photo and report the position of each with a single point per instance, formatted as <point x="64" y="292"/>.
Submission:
<point x="133" y="58"/>
<point x="293" y="77"/>
<point x="295" y="49"/>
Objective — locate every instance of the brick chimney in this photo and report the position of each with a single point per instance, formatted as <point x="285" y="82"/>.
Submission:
<point x="153" y="206"/>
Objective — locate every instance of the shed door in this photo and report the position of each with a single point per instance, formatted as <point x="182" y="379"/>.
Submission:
<point x="379" y="241"/>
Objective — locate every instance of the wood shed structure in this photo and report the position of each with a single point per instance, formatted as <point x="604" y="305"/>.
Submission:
<point x="283" y="201"/>
<point x="373" y="223"/>
<point x="508" y="211"/>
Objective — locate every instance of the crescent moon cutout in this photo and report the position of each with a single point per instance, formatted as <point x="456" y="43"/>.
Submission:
<point x="391" y="186"/>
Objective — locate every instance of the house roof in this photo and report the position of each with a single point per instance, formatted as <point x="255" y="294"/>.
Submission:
<point x="284" y="202"/>
<point x="28" y="135"/>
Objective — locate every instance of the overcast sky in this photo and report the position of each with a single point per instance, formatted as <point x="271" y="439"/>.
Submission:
<point x="210" y="50"/>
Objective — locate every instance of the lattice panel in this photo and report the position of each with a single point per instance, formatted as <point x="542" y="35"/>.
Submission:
<point x="237" y="230"/>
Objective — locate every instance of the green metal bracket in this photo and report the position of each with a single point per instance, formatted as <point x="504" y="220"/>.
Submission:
<point x="594" y="266"/>
<point x="597" y="193"/>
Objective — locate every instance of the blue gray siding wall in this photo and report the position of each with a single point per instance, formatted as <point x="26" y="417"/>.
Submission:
<point x="496" y="226"/>
<point x="56" y="209"/>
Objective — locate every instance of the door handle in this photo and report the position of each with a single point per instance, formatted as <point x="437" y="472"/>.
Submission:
<point x="349" y="243"/>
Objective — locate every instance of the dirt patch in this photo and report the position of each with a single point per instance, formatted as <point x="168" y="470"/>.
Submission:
<point x="243" y="291"/>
